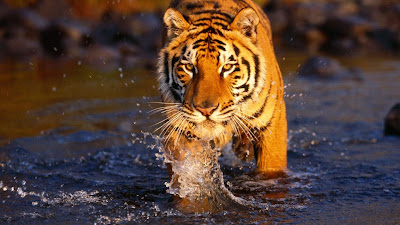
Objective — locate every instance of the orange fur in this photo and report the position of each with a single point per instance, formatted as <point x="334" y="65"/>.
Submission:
<point x="215" y="53"/>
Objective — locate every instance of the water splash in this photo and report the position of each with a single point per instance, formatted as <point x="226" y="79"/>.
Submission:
<point x="199" y="179"/>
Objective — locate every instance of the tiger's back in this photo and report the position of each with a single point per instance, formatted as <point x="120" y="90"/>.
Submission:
<point x="219" y="73"/>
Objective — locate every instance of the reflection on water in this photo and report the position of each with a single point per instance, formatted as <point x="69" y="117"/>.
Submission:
<point x="75" y="148"/>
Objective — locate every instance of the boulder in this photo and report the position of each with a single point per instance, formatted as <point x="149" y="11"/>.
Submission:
<point x="392" y="121"/>
<point x="326" y="68"/>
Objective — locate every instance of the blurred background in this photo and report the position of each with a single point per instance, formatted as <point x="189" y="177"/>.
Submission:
<point x="128" y="31"/>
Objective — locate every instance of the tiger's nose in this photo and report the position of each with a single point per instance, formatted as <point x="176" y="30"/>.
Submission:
<point x="206" y="111"/>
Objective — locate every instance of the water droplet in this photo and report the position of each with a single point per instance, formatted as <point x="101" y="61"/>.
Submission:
<point x="54" y="89"/>
<point x="79" y="62"/>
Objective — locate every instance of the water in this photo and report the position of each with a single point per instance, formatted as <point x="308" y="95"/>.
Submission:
<point x="75" y="148"/>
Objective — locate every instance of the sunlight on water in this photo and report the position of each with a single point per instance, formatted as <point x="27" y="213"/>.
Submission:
<point x="76" y="149"/>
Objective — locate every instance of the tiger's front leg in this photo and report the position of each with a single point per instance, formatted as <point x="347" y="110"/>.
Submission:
<point x="178" y="147"/>
<point x="270" y="149"/>
<point x="185" y="158"/>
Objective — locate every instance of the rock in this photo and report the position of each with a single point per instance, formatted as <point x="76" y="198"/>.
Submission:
<point x="327" y="68"/>
<point x="386" y="38"/>
<point x="339" y="46"/>
<point x="63" y="38"/>
<point x="52" y="40"/>
<point x="106" y="33"/>
<point x="347" y="27"/>
<point x="392" y="121"/>
<point x="145" y="28"/>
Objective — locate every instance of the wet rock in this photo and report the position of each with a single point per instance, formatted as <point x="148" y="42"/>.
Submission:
<point x="63" y="38"/>
<point x="18" y="44"/>
<point x="386" y="38"/>
<point x="106" y="33"/>
<point x="340" y="46"/>
<point x="146" y="28"/>
<point x="347" y="26"/>
<point x="392" y="121"/>
<point x="326" y="68"/>
<point x="52" y="40"/>
<point x="19" y="33"/>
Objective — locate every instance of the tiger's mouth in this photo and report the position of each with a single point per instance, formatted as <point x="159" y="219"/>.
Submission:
<point x="207" y="129"/>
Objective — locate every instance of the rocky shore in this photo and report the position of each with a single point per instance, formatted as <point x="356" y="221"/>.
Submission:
<point x="51" y="29"/>
<point x="336" y="26"/>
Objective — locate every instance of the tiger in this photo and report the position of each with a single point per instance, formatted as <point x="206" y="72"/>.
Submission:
<point x="220" y="82"/>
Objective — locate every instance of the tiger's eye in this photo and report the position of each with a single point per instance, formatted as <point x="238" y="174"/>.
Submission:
<point x="189" y="67"/>
<point x="227" y="67"/>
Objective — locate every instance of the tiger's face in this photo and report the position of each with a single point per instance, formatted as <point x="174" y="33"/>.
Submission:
<point x="210" y="74"/>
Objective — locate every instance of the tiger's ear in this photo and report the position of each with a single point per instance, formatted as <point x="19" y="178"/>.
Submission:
<point x="175" y="23"/>
<point x="246" y="22"/>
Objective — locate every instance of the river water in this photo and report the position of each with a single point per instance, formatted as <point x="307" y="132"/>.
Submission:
<point x="76" y="148"/>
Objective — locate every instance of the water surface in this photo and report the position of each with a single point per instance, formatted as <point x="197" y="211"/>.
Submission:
<point x="76" y="148"/>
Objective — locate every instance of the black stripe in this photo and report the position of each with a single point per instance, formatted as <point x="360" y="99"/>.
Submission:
<point x="220" y="18"/>
<point x="198" y="46"/>
<point x="224" y="26"/>
<point x="246" y="63"/>
<point x="257" y="68"/>
<point x="201" y="24"/>
<point x="221" y="47"/>
<point x="202" y="19"/>
<point x="245" y="87"/>
<point x="183" y="50"/>
<point x="214" y="12"/>
<point x="236" y="49"/>
<point x="176" y="96"/>
<point x="191" y="6"/>
<point x="166" y="67"/>
<point x="261" y="110"/>
<point x="219" y="42"/>
<point x="208" y="30"/>
<point x="198" y="41"/>
<point x="175" y="59"/>
<point x="223" y="113"/>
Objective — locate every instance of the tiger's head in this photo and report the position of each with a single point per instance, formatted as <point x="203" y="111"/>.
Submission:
<point x="210" y="70"/>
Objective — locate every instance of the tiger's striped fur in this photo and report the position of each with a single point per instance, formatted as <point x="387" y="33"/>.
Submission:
<point x="219" y="79"/>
